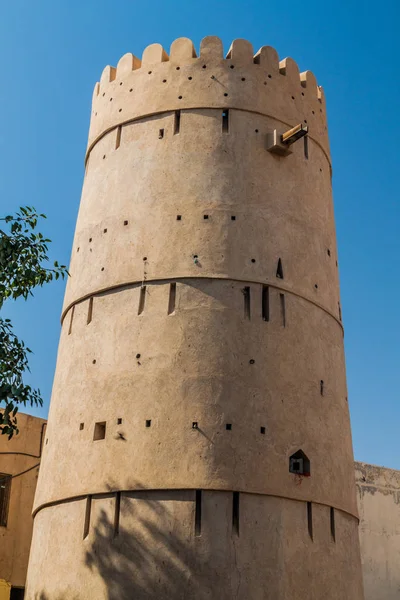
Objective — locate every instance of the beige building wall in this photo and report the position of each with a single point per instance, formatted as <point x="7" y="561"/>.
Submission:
<point x="201" y="346"/>
<point x="20" y="457"/>
<point x="378" y="493"/>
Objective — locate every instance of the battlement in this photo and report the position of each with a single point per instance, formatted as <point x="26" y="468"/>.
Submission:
<point x="241" y="80"/>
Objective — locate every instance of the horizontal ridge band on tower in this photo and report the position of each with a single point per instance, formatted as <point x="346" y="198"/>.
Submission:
<point x="242" y="80"/>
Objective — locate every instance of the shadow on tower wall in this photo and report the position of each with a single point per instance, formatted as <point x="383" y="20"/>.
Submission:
<point x="153" y="553"/>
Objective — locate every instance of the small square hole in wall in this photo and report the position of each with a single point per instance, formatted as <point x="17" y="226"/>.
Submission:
<point x="99" y="431"/>
<point x="262" y="430"/>
<point x="119" y="421"/>
<point x="81" y="426"/>
<point x="233" y="218"/>
<point x="179" y="217"/>
<point x="195" y="425"/>
<point x="125" y="222"/>
<point x="148" y="422"/>
<point x="228" y="426"/>
<point x="205" y="217"/>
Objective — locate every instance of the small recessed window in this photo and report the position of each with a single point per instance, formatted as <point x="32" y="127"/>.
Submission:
<point x="262" y="430"/>
<point x="205" y="217"/>
<point x="81" y="426"/>
<point x="233" y="218"/>
<point x="125" y="222"/>
<point x="119" y="421"/>
<point x="148" y="422"/>
<point x="299" y="464"/>
<point x="179" y="217"/>
<point x="228" y="426"/>
<point x="99" y="431"/>
<point x="195" y="425"/>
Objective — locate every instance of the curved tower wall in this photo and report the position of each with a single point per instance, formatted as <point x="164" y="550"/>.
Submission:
<point x="201" y="345"/>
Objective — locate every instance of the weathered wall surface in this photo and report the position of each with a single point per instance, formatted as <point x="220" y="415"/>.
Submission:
<point x="378" y="494"/>
<point x="21" y="453"/>
<point x="188" y="359"/>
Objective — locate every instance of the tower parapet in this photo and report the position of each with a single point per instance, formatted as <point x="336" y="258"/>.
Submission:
<point x="200" y="394"/>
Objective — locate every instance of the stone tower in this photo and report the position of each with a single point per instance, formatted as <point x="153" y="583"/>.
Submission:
<point x="199" y="442"/>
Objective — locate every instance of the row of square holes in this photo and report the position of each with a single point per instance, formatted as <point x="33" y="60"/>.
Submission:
<point x="100" y="428"/>
<point x="190" y="78"/>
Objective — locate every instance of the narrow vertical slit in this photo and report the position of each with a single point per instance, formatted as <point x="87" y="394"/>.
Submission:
<point x="90" y="311"/>
<point x="225" y="121"/>
<point x="70" y="320"/>
<point x="283" y="309"/>
<point x="246" y="297"/>
<point x="177" y="121"/>
<point x="321" y="387"/>
<point x="142" y="299"/>
<point x="197" y="516"/>
<point x="333" y="529"/>
<point x="118" y="138"/>
<point x="279" y="269"/>
<point x="265" y="302"/>
<point x="88" y="510"/>
<point x="309" y="520"/>
<point x="117" y="513"/>
<point x="172" y="296"/>
<point x="340" y="311"/>
<point x="235" y="513"/>
<point x="306" y="146"/>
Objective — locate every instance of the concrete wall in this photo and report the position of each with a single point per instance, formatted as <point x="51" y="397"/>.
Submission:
<point x="19" y="454"/>
<point x="378" y="493"/>
<point x="171" y="376"/>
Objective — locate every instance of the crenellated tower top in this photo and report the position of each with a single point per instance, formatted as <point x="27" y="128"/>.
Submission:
<point x="159" y="82"/>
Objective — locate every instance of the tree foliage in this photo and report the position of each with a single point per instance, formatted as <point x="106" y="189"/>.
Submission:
<point x="23" y="266"/>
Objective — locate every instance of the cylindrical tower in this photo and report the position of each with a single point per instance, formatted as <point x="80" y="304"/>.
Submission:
<point x="199" y="442"/>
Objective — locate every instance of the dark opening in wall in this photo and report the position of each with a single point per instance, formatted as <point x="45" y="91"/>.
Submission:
<point x="228" y="426"/>
<point x="279" y="270"/>
<point x="17" y="593"/>
<point x="340" y="311"/>
<point x="177" y="121"/>
<point x="142" y="299"/>
<point x="172" y="298"/>
<point x="117" y="513"/>
<point x="321" y="387"/>
<point x="225" y="121"/>
<point x="265" y="302"/>
<point x="205" y="217"/>
<point x="283" y="309"/>
<point x="306" y="146"/>
<point x="125" y="222"/>
<point x="233" y="218"/>
<point x="119" y="421"/>
<point x="246" y="298"/>
<point x="5" y="490"/>
<point x="299" y="464"/>
<point x="148" y="422"/>
<point x="262" y="430"/>
<point x="235" y="513"/>
<point x="81" y="426"/>
<point x="179" y="217"/>
<point x="310" y="520"/>
<point x="118" y="138"/>
<point x="90" y="311"/>
<point x="99" y="431"/>
<point x="195" y="425"/>
<point x="333" y="528"/>
<point x="197" y="515"/>
<point x="160" y="134"/>
<point x="86" y="526"/>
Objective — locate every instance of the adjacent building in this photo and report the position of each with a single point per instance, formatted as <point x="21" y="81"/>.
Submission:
<point x="19" y="465"/>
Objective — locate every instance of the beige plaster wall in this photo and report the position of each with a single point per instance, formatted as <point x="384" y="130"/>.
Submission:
<point x="378" y="494"/>
<point x="156" y="329"/>
<point x="19" y="454"/>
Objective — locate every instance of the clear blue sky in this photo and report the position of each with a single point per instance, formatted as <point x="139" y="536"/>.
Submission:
<point x="53" y="51"/>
